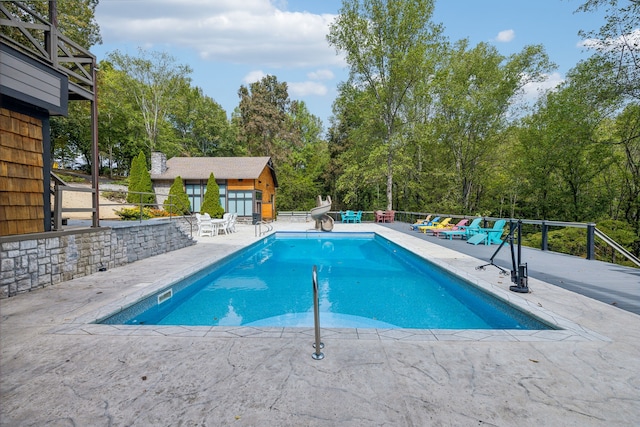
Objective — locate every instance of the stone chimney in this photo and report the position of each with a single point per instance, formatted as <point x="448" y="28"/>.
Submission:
<point x="158" y="163"/>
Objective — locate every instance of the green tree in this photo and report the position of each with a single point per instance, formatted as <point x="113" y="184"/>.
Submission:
<point x="135" y="173"/>
<point x="264" y="127"/>
<point x="71" y="136"/>
<point x="618" y="42"/>
<point x="565" y="151"/>
<point x="140" y="182"/>
<point x="357" y="166"/>
<point x="388" y="46"/>
<point x="145" y="183"/>
<point x="202" y="126"/>
<point x="474" y="88"/>
<point x="153" y="80"/>
<point x="120" y="129"/>
<point x="627" y="142"/>
<point x="211" y="202"/>
<point x="178" y="201"/>
<point x="301" y="175"/>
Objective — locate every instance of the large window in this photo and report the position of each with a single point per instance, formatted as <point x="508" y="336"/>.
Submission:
<point x="195" y="196"/>
<point x="223" y="196"/>
<point x="241" y="202"/>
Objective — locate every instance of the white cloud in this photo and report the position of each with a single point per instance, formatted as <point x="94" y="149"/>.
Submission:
<point x="253" y="76"/>
<point x="505" y="36"/>
<point x="295" y="89"/>
<point x="321" y="75"/>
<point x="306" y="89"/>
<point x="629" y="41"/>
<point x="246" y="32"/>
<point x="533" y="90"/>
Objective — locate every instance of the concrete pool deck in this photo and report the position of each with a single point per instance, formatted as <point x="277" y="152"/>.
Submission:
<point x="58" y="370"/>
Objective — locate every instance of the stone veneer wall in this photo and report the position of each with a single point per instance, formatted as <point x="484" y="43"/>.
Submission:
<point x="32" y="261"/>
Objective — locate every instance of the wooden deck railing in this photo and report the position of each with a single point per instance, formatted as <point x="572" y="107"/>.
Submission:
<point x="34" y="35"/>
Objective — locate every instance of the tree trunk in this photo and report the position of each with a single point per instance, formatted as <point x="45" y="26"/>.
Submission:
<point x="389" y="173"/>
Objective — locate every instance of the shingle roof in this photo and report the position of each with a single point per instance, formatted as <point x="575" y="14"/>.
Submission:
<point x="222" y="168"/>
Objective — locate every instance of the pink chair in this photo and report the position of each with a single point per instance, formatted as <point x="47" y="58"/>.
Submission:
<point x="461" y="224"/>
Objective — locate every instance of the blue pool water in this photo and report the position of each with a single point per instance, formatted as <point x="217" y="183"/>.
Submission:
<point x="364" y="281"/>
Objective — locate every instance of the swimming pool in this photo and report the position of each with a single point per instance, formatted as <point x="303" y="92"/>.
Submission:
<point x="365" y="281"/>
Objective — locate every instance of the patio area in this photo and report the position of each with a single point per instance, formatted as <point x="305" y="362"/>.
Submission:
<point x="57" y="369"/>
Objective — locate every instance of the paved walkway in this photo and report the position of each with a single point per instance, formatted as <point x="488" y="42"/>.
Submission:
<point x="610" y="283"/>
<point x="58" y="370"/>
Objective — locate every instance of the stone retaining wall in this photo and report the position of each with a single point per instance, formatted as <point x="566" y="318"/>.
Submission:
<point x="295" y="216"/>
<point x="37" y="260"/>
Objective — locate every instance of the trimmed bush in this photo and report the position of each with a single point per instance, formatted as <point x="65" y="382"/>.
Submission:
<point x="211" y="202"/>
<point x="134" y="179"/>
<point x="133" y="214"/>
<point x="178" y="202"/>
<point x="140" y="181"/>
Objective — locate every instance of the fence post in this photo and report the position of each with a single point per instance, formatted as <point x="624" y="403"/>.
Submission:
<point x="545" y="237"/>
<point x="591" y="227"/>
<point x="57" y="209"/>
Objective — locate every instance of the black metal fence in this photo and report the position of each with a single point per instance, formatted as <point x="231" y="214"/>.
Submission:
<point x="544" y="226"/>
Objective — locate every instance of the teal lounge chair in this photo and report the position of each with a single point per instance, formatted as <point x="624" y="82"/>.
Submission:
<point x="489" y="236"/>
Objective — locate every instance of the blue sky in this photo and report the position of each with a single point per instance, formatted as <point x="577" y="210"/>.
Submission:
<point x="229" y="43"/>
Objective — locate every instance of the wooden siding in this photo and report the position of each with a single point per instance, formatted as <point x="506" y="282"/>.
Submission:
<point x="21" y="174"/>
<point x="32" y="82"/>
<point x="240" y="184"/>
<point x="267" y="186"/>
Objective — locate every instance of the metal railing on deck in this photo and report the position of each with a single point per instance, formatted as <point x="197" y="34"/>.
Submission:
<point x="591" y="231"/>
<point x="608" y="240"/>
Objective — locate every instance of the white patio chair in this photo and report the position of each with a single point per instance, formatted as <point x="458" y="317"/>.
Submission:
<point x="224" y="226"/>
<point x="206" y="227"/>
<point x="232" y="222"/>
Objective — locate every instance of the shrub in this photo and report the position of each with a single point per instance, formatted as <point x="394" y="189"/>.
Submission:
<point x="115" y="196"/>
<point x="140" y="181"/>
<point x="178" y="202"/>
<point x="623" y="234"/>
<point x="573" y="241"/>
<point x="211" y="202"/>
<point x="71" y="178"/>
<point x="134" y="179"/>
<point x="133" y="214"/>
<point x="158" y="213"/>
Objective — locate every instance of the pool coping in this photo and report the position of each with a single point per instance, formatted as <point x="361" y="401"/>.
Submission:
<point x="569" y="331"/>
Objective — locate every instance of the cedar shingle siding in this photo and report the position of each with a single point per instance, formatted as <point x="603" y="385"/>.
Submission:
<point x="21" y="174"/>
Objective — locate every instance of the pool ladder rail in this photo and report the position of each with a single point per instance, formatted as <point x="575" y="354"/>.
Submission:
<point x="258" y="228"/>
<point x="318" y="345"/>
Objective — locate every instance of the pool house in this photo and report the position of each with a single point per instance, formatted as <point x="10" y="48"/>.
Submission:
<point x="247" y="184"/>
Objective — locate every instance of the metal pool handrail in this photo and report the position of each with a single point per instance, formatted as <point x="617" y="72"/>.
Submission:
<point x="317" y="355"/>
<point x="258" y="228"/>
